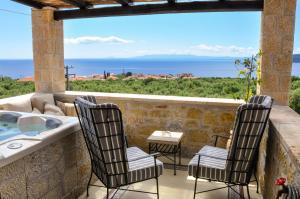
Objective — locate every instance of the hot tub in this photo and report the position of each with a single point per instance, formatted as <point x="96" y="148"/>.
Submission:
<point x="23" y="133"/>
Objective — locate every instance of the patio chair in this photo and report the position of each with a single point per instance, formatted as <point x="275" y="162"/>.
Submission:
<point x="234" y="166"/>
<point x="112" y="162"/>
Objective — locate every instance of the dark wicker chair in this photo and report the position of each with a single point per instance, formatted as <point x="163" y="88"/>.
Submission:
<point x="112" y="162"/>
<point x="235" y="166"/>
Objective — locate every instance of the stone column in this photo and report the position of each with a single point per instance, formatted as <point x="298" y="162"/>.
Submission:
<point x="48" y="51"/>
<point x="277" y="41"/>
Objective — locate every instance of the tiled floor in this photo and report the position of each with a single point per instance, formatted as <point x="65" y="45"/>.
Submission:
<point x="171" y="187"/>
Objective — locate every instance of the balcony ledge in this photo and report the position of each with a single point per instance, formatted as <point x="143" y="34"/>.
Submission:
<point x="157" y="98"/>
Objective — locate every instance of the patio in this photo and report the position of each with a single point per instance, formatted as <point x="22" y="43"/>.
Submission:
<point x="177" y="187"/>
<point x="65" y="170"/>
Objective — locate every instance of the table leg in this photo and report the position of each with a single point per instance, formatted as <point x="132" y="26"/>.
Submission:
<point x="180" y="153"/>
<point x="175" y="153"/>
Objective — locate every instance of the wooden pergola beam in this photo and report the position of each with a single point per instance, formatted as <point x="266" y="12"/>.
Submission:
<point x="171" y="1"/>
<point x="78" y="3"/>
<point x="124" y="2"/>
<point x="148" y="9"/>
<point x="31" y="3"/>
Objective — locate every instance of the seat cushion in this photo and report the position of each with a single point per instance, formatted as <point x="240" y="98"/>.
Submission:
<point x="51" y="109"/>
<point x="138" y="170"/>
<point x="38" y="103"/>
<point x="209" y="168"/>
<point x="141" y="169"/>
<point x="47" y="97"/>
<point x="144" y="168"/>
<point x="36" y="111"/>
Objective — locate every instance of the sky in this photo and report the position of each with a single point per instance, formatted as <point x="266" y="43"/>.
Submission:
<point x="203" y="34"/>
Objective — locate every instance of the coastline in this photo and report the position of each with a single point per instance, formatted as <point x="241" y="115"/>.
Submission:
<point x="85" y="68"/>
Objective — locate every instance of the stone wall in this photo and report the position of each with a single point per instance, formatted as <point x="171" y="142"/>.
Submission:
<point x="280" y="151"/>
<point x="198" y="118"/>
<point x="59" y="170"/>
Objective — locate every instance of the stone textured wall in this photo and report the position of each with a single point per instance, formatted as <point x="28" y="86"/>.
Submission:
<point x="198" y="120"/>
<point x="277" y="41"/>
<point x="59" y="170"/>
<point x="278" y="156"/>
<point x="48" y="51"/>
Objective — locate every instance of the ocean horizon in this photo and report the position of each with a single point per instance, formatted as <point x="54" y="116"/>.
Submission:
<point x="200" y="67"/>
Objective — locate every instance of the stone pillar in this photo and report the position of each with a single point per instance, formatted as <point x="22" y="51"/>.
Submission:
<point x="277" y="41"/>
<point x="48" y="51"/>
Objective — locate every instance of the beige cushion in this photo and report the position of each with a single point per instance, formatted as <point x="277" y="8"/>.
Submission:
<point x="38" y="103"/>
<point x="61" y="105"/>
<point x="20" y="105"/>
<point x="47" y="97"/>
<point x="36" y="111"/>
<point x="51" y="109"/>
<point x="67" y="108"/>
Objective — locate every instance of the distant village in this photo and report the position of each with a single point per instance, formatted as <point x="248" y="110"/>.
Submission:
<point x="124" y="76"/>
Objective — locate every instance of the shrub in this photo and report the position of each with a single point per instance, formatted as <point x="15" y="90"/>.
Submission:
<point x="295" y="100"/>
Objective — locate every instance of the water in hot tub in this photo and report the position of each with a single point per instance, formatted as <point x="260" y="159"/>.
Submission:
<point x="9" y="129"/>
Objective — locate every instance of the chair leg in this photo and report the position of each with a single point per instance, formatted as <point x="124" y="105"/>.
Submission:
<point x="157" y="188"/>
<point x="174" y="163"/>
<point x="195" y="188"/>
<point x="107" y="193"/>
<point x="87" y="188"/>
<point x="197" y="174"/>
<point x="256" y="183"/>
<point x="248" y="192"/>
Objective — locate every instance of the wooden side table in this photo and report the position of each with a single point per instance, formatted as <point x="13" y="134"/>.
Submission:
<point x="167" y="143"/>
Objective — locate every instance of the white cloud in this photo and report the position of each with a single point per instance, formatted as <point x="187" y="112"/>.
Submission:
<point x="297" y="50"/>
<point x="95" y="39"/>
<point x="139" y="49"/>
<point x="201" y="50"/>
<point x="219" y="50"/>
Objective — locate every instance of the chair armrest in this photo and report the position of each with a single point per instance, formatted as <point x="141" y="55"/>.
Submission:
<point x="126" y="140"/>
<point x="219" y="136"/>
<point x="155" y="155"/>
<point x="209" y="156"/>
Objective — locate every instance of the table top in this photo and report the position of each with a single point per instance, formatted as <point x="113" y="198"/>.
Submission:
<point x="165" y="137"/>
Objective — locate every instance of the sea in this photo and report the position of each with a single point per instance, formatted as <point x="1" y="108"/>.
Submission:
<point x="200" y="67"/>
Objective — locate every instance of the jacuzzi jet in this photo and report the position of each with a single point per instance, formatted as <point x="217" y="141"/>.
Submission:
<point x="15" y="145"/>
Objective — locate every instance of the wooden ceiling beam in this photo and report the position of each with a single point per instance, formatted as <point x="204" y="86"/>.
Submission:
<point x="78" y="3"/>
<point x="31" y="3"/>
<point x="148" y="9"/>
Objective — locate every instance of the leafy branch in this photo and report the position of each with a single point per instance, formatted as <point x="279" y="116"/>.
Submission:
<point x="250" y="70"/>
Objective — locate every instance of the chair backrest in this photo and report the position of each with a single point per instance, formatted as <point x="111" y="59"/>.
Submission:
<point x="250" y="122"/>
<point x="104" y="135"/>
<point x="90" y="98"/>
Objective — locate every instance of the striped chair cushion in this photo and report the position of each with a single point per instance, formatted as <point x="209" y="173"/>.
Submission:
<point x="247" y="132"/>
<point x="103" y="130"/>
<point x="112" y="162"/>
<point x="210" y="168"/>
<point x="259" y="99"/>
<point x="250" y="121"/>
<point x="139" y="170"/>
<point x="90" y="98"/>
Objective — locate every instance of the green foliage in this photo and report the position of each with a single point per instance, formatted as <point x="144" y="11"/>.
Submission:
<point x="250" y="72"/>
<point x="198" y="87"/>
<point x="295" y="100"/>
<point x="10" y="87"/>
